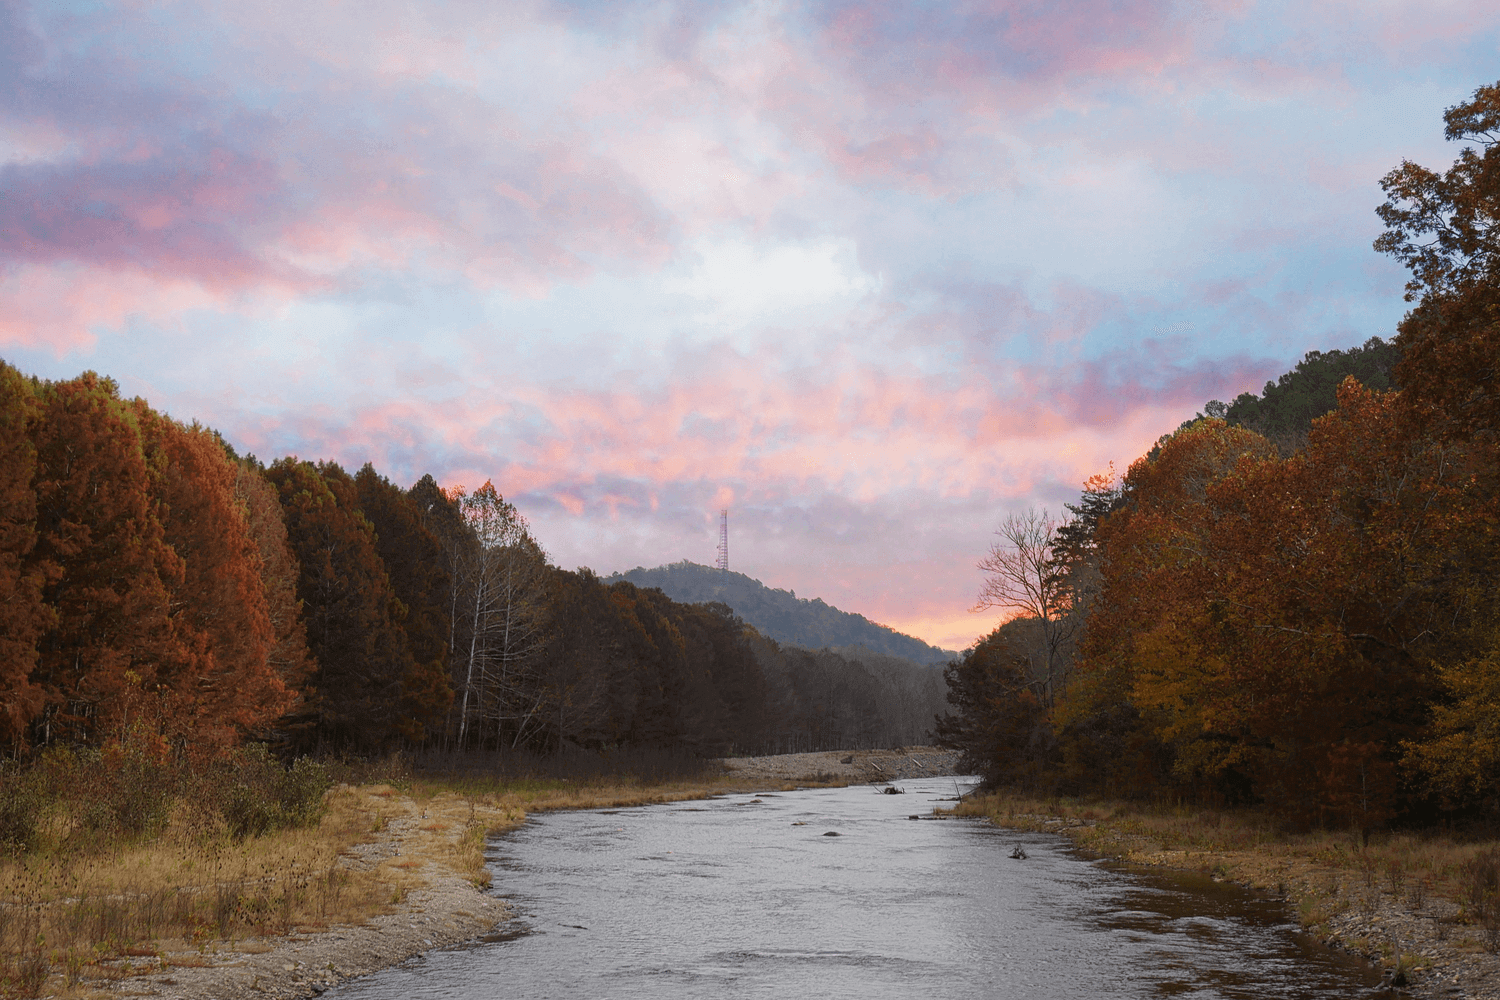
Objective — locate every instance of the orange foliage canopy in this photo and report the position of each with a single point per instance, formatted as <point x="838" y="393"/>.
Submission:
<point x="131" y="583"/>
<point x="1272" y="620"/>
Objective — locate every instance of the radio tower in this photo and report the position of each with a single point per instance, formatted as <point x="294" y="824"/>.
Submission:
<point x="723" y="562"/>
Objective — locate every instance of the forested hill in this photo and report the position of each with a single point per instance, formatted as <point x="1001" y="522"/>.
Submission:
<point x="779" y="614"/>
<point x="1284" y="411"/>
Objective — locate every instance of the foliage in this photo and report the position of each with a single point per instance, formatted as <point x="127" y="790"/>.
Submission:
<point x="998" y="722"/>
<point x="1285" y="410"/>
<point x="352" y="615"/>
<point x="1291" y="600"/>
<point x="262" y="795"/>
<point x="1442" y="226"/>
<point x="24" y="614"/>
<point x="419" y="575"/>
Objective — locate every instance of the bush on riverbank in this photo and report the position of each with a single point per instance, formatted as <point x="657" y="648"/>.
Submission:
<point x="106" y="798"/>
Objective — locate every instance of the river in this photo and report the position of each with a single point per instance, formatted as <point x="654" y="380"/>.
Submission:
<point x="750" y="896"/>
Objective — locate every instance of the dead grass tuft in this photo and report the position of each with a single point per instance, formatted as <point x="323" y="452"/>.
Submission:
<point x="1250" y="847"/>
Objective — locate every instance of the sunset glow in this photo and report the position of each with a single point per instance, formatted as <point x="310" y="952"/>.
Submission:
<point x="871" y="275"/>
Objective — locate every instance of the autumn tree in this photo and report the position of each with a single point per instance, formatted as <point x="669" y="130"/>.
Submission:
<point x="24" y="616"/>
<point x="219" y="606"/>
<point x="352" y="615"/>
<point x="1153" y="562"/>
<point x="279" y="575"/>
<point x="114" y="651"/>
<point x="1443" y="228"/>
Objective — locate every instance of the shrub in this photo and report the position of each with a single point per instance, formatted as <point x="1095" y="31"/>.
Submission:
<point x="21" y="805"/>
<point x="122" y="791"/>
<point x="1479" y="883"/>
<point x="263" y="795"/>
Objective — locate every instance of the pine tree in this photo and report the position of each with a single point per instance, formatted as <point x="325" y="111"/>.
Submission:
<point x="352" y="615"/>
<point x="417" y="567"/>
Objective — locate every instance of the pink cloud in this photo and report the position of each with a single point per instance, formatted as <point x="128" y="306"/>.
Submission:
<point x="58" y="308"/>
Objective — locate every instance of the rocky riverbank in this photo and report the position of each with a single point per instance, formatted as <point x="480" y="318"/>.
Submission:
<point x="1345" y="896"/>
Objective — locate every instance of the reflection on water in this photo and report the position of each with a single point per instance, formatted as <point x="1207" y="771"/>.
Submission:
<point x="746" y="896"/>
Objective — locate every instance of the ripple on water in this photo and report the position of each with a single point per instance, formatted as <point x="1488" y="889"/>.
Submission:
<point x="716" y="901"/>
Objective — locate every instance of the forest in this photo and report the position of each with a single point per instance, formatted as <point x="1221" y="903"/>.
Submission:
<point x="152" y="578"/>
<point x="1291" y="600"/>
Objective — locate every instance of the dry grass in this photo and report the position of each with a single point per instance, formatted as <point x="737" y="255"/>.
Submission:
<point x="72" y="922"/>
<point x="1325" y="871"/>
<point x="89" y="917"/>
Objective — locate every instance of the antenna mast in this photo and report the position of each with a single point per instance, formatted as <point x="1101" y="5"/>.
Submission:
<point x="723" y="562"/>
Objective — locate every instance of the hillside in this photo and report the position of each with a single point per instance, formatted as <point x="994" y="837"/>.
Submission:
<point x="779" y="614"/>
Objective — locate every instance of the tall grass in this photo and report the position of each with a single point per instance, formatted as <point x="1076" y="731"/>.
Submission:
<point x="105" y="851"/>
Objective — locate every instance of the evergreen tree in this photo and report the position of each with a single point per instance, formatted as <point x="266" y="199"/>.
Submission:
<point x="351" y="613"/>
<point x="415" y="562"/>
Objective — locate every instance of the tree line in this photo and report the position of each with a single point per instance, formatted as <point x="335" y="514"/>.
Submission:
<point x="1278" y="604"/>
<point x="150" y="576"/>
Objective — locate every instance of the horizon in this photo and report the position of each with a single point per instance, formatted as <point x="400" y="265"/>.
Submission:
<point x="872" y="276"/>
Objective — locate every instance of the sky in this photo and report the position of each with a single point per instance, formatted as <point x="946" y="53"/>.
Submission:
<point x="869" y="275"/>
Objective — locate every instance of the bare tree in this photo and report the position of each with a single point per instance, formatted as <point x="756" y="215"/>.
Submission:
<point x="505" y="611"/>
<point x="1023" y="576"/>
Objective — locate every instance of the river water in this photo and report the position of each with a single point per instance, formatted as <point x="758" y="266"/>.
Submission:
<point x="748" y="896"/>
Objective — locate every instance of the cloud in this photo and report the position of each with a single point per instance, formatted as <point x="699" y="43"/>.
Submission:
<point x="879" y="271"/>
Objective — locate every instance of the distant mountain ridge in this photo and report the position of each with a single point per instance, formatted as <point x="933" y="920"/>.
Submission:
<point x="781" y="614"/>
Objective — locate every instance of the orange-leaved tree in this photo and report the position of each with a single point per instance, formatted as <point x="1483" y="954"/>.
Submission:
<point x="113" y="650"/>
<point x="219" y="607"/>
<point x="24" y="615"/>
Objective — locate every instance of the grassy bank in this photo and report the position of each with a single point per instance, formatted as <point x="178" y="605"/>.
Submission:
<point x="1435" y="884"/>
<point x="130" y="859"/>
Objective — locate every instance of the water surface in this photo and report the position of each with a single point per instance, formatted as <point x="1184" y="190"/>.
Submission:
<point x="747" y="896"/>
